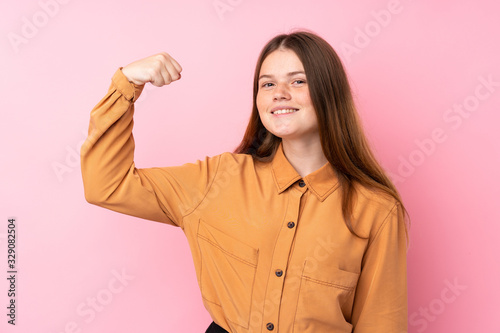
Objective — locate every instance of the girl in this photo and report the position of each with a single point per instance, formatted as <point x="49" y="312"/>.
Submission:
<point x="297" y="230"/>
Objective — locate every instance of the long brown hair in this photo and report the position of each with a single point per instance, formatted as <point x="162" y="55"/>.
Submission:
<point x="342" y="139"/>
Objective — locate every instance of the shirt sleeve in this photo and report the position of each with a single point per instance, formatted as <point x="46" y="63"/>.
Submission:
<point x="381" y="303"/>
<point x="110" y="177"/>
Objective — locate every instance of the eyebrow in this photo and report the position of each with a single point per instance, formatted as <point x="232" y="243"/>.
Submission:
<point x="289" y="74"/>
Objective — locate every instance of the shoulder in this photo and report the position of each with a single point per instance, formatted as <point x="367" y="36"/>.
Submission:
<point x="375" y="198"/>
<point x="213" y="166"/>
<point x="231" y="161"/>
<point x="221" y="160"/>
<point x="372" y="209"/>
<point x="230" y="157"/>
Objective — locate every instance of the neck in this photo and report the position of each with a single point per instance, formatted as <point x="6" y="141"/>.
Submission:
<point x="304" y="156"/>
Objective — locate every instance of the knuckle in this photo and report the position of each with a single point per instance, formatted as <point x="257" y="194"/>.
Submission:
<point x="163" y="56"/>
<point x="158" y="64"/>
<point x="159" y="58"/>
<point x="151" y="71"/>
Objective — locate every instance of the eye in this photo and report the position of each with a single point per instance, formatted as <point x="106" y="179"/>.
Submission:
<point x="299" y="81"/>
<point x="266" y="85"/>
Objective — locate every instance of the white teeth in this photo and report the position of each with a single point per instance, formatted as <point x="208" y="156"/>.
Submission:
<point x="284" y="111"/>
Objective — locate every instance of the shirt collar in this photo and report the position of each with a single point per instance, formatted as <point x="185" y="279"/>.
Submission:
<point x="322" y="182"/>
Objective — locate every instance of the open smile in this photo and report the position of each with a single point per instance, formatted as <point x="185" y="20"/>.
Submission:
<point x="284" y="111"/>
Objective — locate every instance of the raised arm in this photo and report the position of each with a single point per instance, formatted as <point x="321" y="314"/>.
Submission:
<point x="107" y="156"/>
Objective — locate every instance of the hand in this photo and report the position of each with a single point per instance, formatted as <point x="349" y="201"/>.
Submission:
<point x="160" y="69"/>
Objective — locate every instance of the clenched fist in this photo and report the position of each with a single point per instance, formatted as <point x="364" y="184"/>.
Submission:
<point x="160" y="69"/>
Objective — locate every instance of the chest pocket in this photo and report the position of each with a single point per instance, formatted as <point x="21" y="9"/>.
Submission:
<point x="325" y="300"/>
<point x="227" y="275"/>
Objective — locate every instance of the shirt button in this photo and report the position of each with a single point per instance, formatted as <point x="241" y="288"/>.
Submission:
<point x="270" y="326"/>
<point x="278" y="272"/>
<point x="302" y="183"/>
<point x="291" y="225"/>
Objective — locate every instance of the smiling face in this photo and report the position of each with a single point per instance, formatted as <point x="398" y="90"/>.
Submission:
<point x="283" y="100"/>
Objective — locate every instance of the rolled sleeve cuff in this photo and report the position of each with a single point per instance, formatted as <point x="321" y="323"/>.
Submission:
<point x="129" y="90"/>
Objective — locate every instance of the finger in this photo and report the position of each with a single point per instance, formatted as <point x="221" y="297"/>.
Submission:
<point x="157" y="78"/>
<point x="157" y="81"/>
<point x="176" y="65"/>
<point x="166" y="77"/>
<point x="174" y="73"/>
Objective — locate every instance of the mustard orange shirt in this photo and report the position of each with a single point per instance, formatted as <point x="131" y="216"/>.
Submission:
<point x="271" y="249"/>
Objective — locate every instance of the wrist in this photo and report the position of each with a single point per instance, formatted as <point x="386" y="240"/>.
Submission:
<point x="124" y="70"/>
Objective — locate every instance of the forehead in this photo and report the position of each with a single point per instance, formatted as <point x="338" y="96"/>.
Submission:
<point x="281" y="61"/>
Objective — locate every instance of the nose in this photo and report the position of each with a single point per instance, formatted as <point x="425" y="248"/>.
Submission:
<point x="281" y="92"/>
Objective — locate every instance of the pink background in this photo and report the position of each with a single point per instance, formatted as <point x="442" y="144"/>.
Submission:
<point x="410" y="66"/>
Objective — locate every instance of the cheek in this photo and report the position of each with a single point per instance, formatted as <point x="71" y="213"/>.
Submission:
<point x="261" y="108"/>
<point x="259" y="102"/>
<point x="305" y="99"/>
